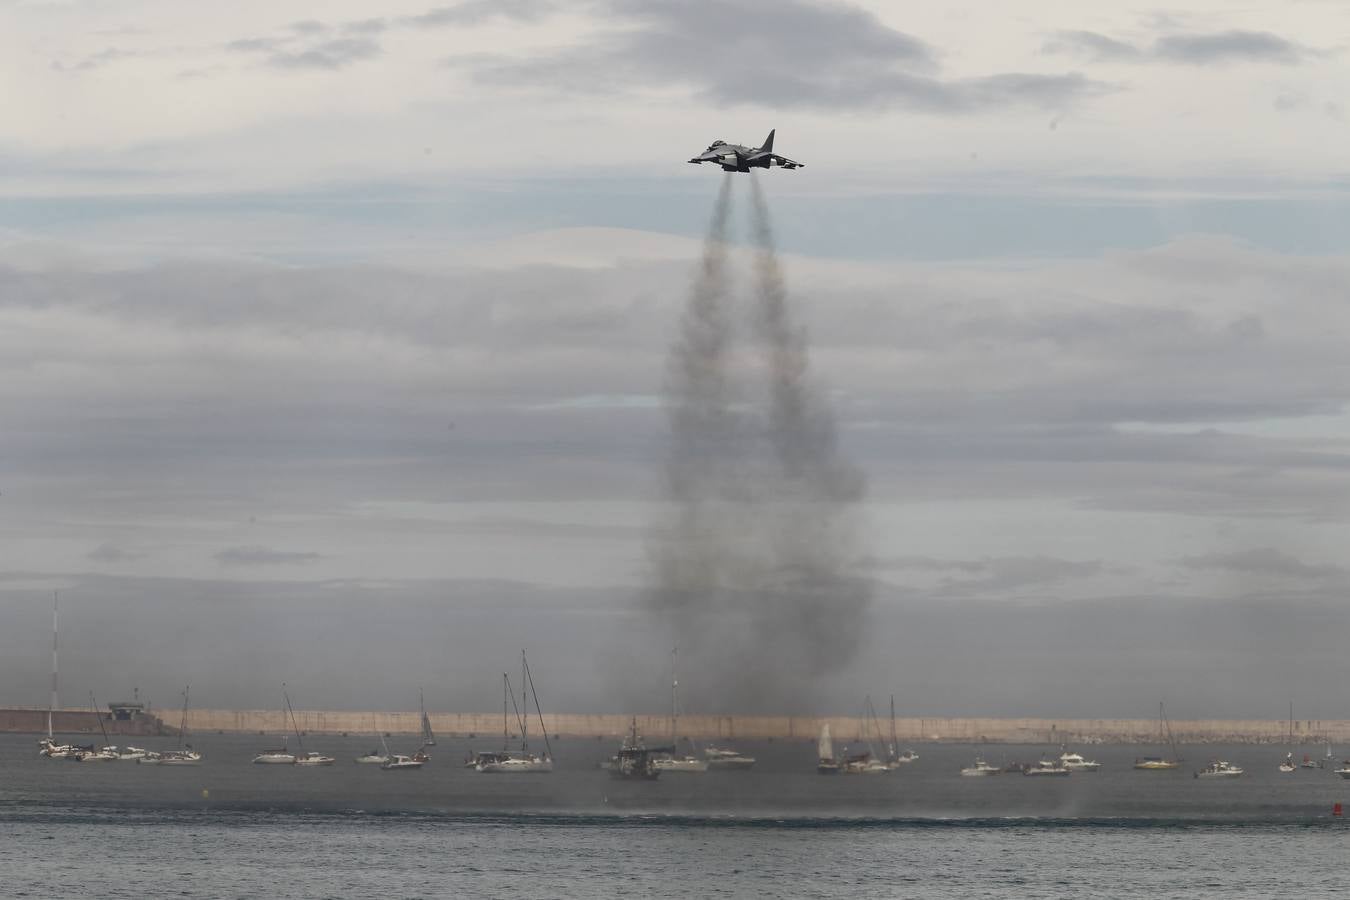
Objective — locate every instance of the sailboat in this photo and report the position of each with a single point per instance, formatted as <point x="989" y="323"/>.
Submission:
<point x="894" y="759"/>
<point x="277" y="756"/>
<point x="521" y="761"/>
<point x="106" y="753"/>
<point x="1158" y="763"/>
<point x="304" y="757"/>
<point x="48" y="746"/>
<point x="183" y="755"/>
<point x="866" y="763"/>
<point x="375" y="757"/>
<point x="671" y="762"/>
<point x="428" y="736"/>
<point x="1287" y="764"/>
<point x="826" y="764"/>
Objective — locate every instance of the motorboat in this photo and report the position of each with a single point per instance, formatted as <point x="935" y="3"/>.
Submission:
<point x="1155" y="764"/>
<point x="1047" y="767"/>
<point x="92" y="755"/>
<point x="980" y="769"/>
<point x="311" y="758"/>
<point x="681" y="764"/>
<point x="399" y="761"/>
<point x="132" y="754"/>
<point x="1220" y="769"/>
<point x="1076" y="763"/>
<point x="727" y="760"/>
<point x="518" y="763"/>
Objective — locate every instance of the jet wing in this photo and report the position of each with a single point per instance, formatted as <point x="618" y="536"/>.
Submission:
<point x="786" y="163"/>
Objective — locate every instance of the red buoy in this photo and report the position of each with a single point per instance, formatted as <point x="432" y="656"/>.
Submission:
<point x="1336" y="809"/>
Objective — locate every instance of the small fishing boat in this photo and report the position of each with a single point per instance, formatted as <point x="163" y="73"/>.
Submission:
<point x="1047" y="767"/>
<point x="980" y="769"/>
<point x="634" y="761"/>
<point x="1220" y="769"/>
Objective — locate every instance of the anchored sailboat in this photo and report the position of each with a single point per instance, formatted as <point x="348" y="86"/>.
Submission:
<point x="826" y="764"/>
<point x="521" y="761"/>
<point x="183" y="754"/>
<point x="1287" y="765"/>
<point x="428" y="737"/>
<point x="1159" y="763"/>
<point x="672" y="762"/>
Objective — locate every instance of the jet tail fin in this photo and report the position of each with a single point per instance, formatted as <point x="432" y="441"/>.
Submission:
<point x="768" y="143"/>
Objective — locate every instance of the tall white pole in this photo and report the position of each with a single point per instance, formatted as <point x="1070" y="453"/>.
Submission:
<point x="51" y="707"/>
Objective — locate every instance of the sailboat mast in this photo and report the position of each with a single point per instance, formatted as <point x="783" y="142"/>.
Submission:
<point x="93" y="705"/>
<point x="182" y="720"/>
<point x="294" y="724"/>
<point x="52" y="703"/>
<point x="529" y="677"/>
<point x="674" y="705"/>
<point x="894" y="742"/>
<point x="524" y="706"/>
<point x="506" y="699"/>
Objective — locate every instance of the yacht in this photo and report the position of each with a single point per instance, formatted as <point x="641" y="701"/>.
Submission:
<point x="522" y="761"/>
<point x="1047" y="767"/>
<point x="185" y="757"/>
<point x="1159" y="763"/>
<point x="1075" y="762"/>
<point x="311" y="758"/>
<point x="278" y="757"/>
<point x="981" y="768"/>
<point x="673" y="762"/>
<point x="373" y="758"/>
<point x="92" y="755"/>
<point x="398" y="761"/>
<point x="1220" y="769"/>
<point x="52" y="750"/>
<point x="517" y="763"/>
<point x="131" y="754"/>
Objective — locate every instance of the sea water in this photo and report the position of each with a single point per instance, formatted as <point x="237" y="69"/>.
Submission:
<point x="232" y="829"/>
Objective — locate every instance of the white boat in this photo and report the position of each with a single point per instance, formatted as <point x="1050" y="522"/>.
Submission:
<point x="183" y="754"/>
<point x="1220" y="769"/>
<point x="863" y="764"/>
<point x="132" y="754"/>
<point x="1159" y="763"/>
<point x="373" y="758"/>
<point x="1287" y="764"/>
<point x="86" y="756"/>
<point x="727" y="760"/>
<point x="311" y="758"/>
<point x="1344" y="770"/>
<point x="1047" y="767"/>
<point x="278" y="757"/>
<point x="1076" y="763"/>
<point x="980" y="769"/>
<point x="522" y="761"/>
<point x="517" y="764"/>
<point x="672" y="761"/>
<point x="826" y="764"/>
<point x="399" y="761"/>
<point x="52" y="750"/>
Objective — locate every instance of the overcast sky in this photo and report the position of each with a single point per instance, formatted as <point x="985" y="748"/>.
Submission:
<point x="312" y="310"/>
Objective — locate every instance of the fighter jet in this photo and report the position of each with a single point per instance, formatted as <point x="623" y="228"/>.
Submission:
<point x="735" y="158"/>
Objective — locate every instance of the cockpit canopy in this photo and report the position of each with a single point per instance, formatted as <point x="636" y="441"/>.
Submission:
<point x="715" y="144"/>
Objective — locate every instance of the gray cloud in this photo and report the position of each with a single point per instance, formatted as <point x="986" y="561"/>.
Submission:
<point x="334" y="54"/>
<point x="1264" y="561"/>
<point x="1189" y="49"/>
<point x="112" y="553"/>
<point x="262" y="556"/>
<point x="806" y="54"/>
<point x="475" y="12"/>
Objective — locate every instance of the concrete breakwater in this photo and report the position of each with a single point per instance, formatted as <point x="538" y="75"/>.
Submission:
<point x="656" y="728"/>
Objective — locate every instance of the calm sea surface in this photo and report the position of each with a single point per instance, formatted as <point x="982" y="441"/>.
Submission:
<point x="232" y="829"/>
